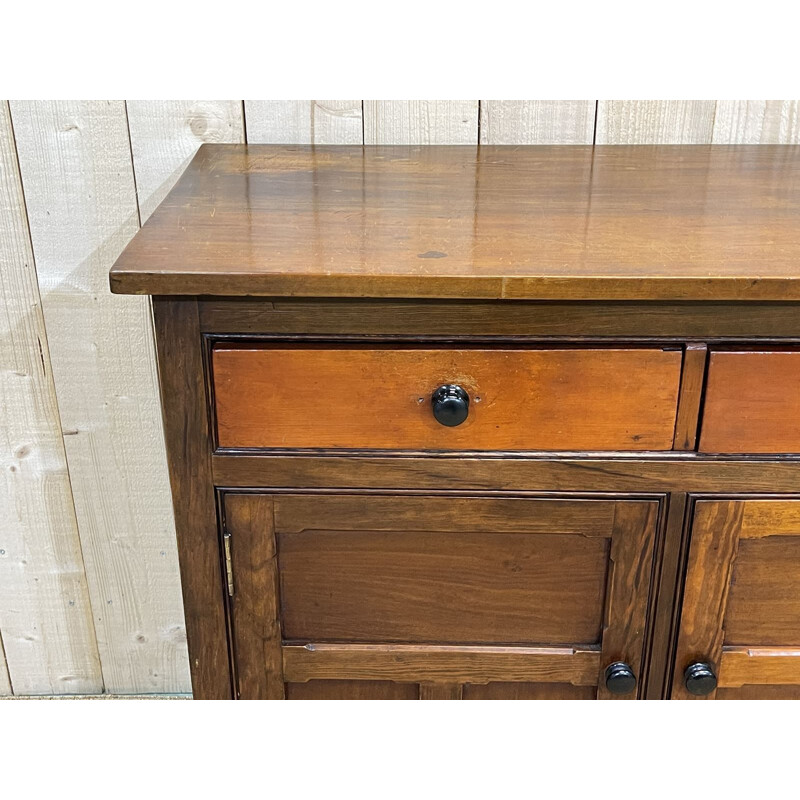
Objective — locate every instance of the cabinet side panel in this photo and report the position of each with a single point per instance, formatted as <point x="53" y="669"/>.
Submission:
<point x="183" y="397"/>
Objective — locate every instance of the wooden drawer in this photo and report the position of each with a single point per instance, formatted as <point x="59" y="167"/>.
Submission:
<point x="741" y="606"/>
<point x="374" y="397"/>
<point x="752" y="402"/>
<point x="379" y="595"/>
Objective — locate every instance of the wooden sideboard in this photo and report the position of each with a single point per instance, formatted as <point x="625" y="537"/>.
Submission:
<point x="483" y="422"/>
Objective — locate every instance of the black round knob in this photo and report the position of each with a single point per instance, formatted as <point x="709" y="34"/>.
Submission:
<point x="450" y="405"/>
<point x="699" y="679"/>
<point x="620" y="678"/>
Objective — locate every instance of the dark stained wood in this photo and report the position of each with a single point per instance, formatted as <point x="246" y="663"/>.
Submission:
<point x="440" y="691"/>
<point x="715" y="536"/>
<point x="184" y="405"/>
<point x="669" y="564"/>
<point x="255" y="605"/>
<point x="527" y="691"/>
<point x="752" y="402"/>
<point x="453" y="319"/>
<point x="382" y="581"/>
<point x="542" y="473"/>
<point x="629" y="580"/>
<point x="440" y="663"/>
<point x="444" y="514"/>
<point x="764" y="599"/>
<point x="374" y="397"/>
<point x="660" y="222"/>
<point x="691" y="393"/>
<point x="351" y="690"/>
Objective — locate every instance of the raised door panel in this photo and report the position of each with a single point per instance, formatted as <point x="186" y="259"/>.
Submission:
<point x="461" y="597"/>
<point x="741" y="607"/>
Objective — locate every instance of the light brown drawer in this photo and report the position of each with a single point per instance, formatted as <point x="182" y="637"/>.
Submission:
<point x="376" y="397"/>
<point x="752" y="402"/>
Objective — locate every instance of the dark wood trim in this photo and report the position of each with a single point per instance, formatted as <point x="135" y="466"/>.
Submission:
<point x="686" y="473"/>
<point x="693" y="377"/>
<point x="440" y="691"/>
<point x="184" y="405"/>
<point x="630" y="578"/>
<point x="256" y="629"/>
<point x="714" y="543"/>
<point x="458" y="319"/>
<point x="666" y="589"/>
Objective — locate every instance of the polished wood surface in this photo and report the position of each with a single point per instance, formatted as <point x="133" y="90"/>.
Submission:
<point x="659" y="222"/>
<point x="380" y="397"/>
<point x="752" y="402"/>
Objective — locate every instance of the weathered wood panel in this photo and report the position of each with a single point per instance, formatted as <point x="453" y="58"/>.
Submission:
<point x="304" y="121"/>
<point x="655" y="121"/>
<point x="757" y="122"/>
<point x="45" y="616"/>
<point x="78" y="179"/>
<point x="537" y="121"/>
<point x="165" y="134"/>
<point x="420" y="122"/>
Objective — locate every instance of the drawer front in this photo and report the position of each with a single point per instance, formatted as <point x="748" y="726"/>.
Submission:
<point x="741" y="606"/>
<point x="449" y="597"/>
<point x="752" y="403"/>
<point x="518" y="399"/>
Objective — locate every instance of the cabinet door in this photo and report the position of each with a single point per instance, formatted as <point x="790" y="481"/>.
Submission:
<point x="740" y="622"/>
<point x="364" y="596"/>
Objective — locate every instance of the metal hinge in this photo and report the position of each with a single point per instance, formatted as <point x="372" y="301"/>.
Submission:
<point x="226" y="541"/>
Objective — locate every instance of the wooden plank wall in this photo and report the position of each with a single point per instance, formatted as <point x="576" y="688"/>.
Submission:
<point x="89" y="587"/>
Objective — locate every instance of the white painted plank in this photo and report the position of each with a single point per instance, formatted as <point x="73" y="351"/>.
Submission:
<point x="304" y="121"/>
<point x="420" y="121"/>
<point x="45" y="616"/>
<point x="165" y="134"/>
<point x="537" y="121"/>
<point x="77" y="173"/>
<point x="757" y="122"/>
<point x="5" y="681"/>
<point x="655" y="121"/>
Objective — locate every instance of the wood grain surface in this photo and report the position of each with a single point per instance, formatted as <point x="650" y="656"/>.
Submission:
<point x="80" y="195"/>
<point x="715" y="537"/>
<point x="440" y="663"/>
<point x="659" y="222"/>
<point x="752" y="402"/>
<point x="45" y="614"/>
<point x="255" y="608"/>
<point x="374" y="397"/>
